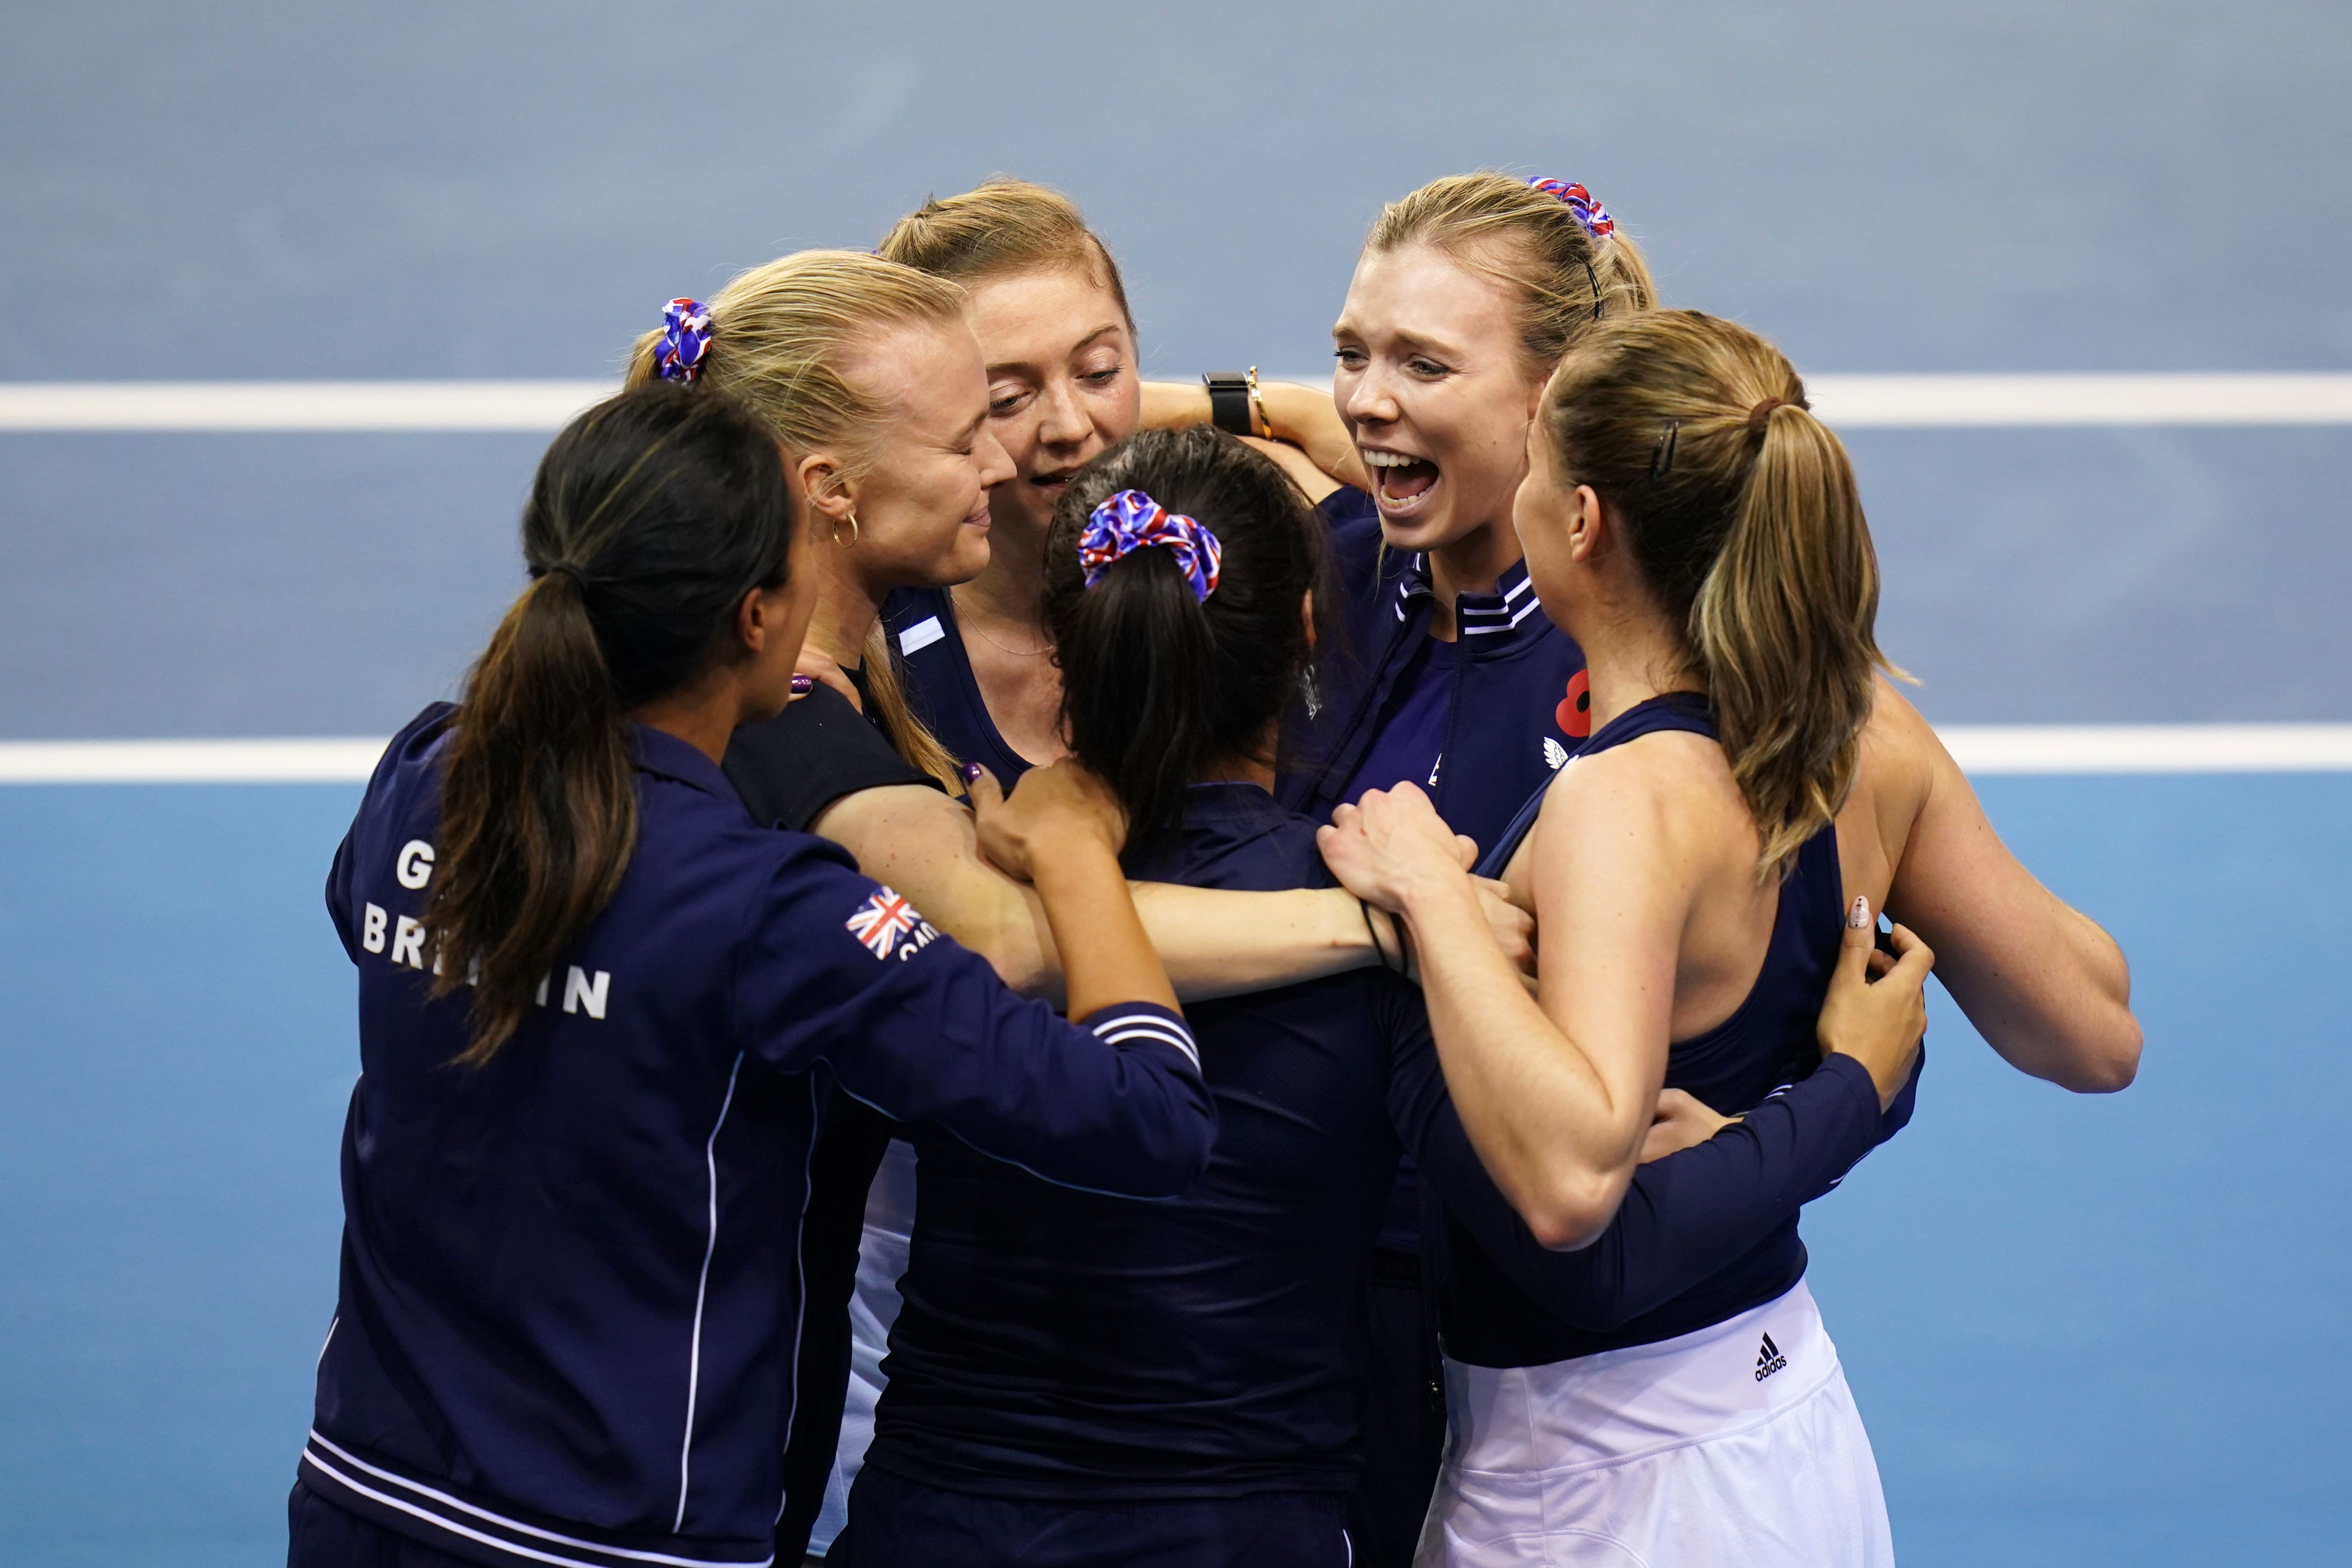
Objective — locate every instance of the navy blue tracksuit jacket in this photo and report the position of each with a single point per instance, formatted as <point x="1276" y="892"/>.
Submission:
<point x="573" y="1287"/>
<point x="1516" y="707"/>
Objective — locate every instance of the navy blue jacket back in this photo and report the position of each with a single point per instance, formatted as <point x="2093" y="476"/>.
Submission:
<point x="570" y="1291"/>
<point x="1055" y="1346"/>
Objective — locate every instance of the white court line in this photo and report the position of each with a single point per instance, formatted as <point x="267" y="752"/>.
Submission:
<point x="535" y="406"/>
<point x="1981" y="749"/>
<point x="339" y="760"/>
<point x="1920" y="402"/>
<point x="1854" y="401"/>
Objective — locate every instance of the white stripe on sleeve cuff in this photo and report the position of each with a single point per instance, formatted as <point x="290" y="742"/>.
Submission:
<point x="1124" y="1024"/>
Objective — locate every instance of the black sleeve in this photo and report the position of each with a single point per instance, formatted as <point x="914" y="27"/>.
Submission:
<point x="1682" y="1216"/>
<point x="789" y="768"/>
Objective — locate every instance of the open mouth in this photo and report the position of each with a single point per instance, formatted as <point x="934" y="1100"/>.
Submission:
<point x="1402" y="482"/>
<point x="1055" y="481"/>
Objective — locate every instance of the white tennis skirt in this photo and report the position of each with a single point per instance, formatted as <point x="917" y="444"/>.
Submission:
<point x="1737" y="1446"/>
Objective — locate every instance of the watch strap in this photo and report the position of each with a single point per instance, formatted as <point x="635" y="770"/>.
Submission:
<point x="1229" y="401"/>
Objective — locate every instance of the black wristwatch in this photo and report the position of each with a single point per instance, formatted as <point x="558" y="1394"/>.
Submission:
<point x="1229" y="401"/>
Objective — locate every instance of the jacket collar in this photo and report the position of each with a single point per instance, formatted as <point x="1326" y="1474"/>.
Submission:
<point x="667" y="756"/>
<point x="1499" y="617"/>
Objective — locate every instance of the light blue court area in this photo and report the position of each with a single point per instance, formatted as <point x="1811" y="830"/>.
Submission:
<point x="176" y="1041"/>
<point x="2114" y="1331"/>
<point x="2083" y="1332"/>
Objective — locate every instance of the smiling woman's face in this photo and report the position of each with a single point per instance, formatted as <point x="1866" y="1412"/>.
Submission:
<point x="1062" y="384"/>
<point x="1429" y="381"/>
<point x="922" y="510"/>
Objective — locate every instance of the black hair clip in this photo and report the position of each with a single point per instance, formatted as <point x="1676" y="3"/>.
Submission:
<point x="1589" y="277"/>
<point x="1661" y="457"/>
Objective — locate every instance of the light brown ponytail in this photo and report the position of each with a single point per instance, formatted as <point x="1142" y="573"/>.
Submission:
<point x="1783" y="627"/>
<point x="1741" y="510"/>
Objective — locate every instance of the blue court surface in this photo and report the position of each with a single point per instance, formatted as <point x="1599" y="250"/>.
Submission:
<point x="2083" y="1330"/>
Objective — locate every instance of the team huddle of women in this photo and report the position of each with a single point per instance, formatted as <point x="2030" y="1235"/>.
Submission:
<point x="1004" y="965"/>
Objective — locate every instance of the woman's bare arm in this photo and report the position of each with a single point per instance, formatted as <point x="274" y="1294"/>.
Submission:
<point x="1214" y="943"/>
<point x="2046" y="986"/>
<point x="1312" y="481"/>
<point x="1558" y="1096"/>
<point x="1062" y="829"/>
<point x="1300" y="416"/>
<point x="1556" y="1093"/>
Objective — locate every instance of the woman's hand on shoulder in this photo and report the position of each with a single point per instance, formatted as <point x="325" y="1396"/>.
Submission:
<point x="1877" y="1009"/>
<point x="819" y="666"/>
<point x="1391" y="845"/>
<point x="1057" y="810"/>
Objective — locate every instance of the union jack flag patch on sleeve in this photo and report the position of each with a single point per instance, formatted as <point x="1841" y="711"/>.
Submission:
<point x="883" y="919"/>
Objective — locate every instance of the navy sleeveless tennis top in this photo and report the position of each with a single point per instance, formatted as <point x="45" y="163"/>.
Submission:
<point x="1769" y="1042"/>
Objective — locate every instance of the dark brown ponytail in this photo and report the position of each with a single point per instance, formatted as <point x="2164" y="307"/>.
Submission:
<point x="651" y="517"/>
<point x="1157" y="686"/>
<point x="1742" y="509"/>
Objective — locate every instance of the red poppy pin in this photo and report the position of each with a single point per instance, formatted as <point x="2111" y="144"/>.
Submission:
<point x="1574" y="715"/>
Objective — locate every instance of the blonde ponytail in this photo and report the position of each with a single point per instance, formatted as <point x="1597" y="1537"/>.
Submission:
<point x="1741" y="509"/>
<point x="781" y="336"/>
<point x="885" y="688"/>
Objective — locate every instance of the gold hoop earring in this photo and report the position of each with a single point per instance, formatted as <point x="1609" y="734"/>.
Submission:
<point x="853" y="533"/>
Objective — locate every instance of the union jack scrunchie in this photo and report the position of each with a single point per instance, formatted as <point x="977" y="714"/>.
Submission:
<point x="1131" y="520"/>
<point x="685" y="338"/>
<point x="1588" y="213"/>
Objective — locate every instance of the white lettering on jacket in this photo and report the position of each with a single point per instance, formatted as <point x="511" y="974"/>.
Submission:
<point x="584" y="991"/>
<point x="578" y="991"/>
<point x="414" y="866"/>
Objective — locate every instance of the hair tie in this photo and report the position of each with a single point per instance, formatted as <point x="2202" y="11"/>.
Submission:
<point x="1131" y="520"/>
<point x="565" y="569"/>
<point x="685" y="338"/>
<point x="1760" y="418"/>
<point x="1593" y="217"/>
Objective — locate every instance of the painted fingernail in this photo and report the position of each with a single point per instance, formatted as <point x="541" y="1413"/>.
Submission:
<point x="803" y="686"/>
<point x="972" y="773"/>
<point x="1859" y="918"/>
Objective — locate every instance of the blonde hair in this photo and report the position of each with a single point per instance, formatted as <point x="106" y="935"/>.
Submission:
<point x="1000" y="227"/>
<point x="1532" y="243"/>
<point x="781" y="335"/>
<point x="1741" y="510"/>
